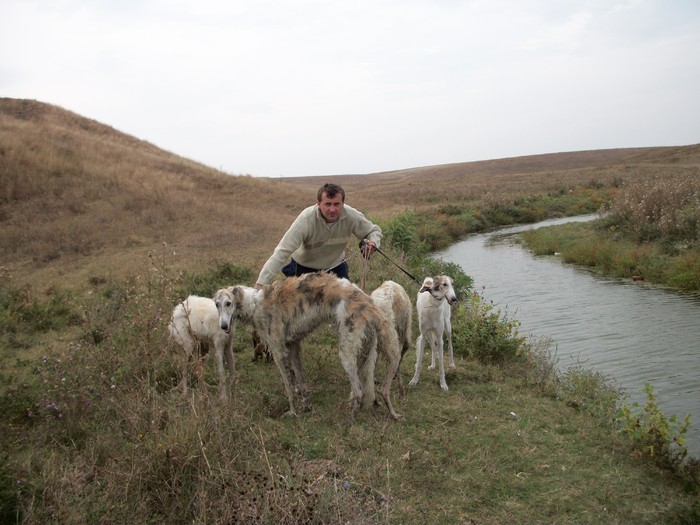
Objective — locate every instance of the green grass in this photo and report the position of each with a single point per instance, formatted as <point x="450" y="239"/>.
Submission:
<point x="649" y="230"/>
<point x="588" y="244"/>
<point x="97" y="431"/>
<point x="438" y="227"/>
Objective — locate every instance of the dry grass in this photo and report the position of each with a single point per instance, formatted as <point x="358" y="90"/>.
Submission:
<point x="80" y="199"/>
<point x="659" y="209"/>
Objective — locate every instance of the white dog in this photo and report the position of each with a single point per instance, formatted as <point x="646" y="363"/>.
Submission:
<point x="194" y="326"/>
<point x="433" y="305"/>
<point x="395" y="304"/>
<point x="285" y="312"/>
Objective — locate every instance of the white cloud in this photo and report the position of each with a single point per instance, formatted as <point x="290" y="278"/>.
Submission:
<point x="326" y="87"/>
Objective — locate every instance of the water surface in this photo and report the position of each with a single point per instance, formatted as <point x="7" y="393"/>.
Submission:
<point x="635" y="332"/>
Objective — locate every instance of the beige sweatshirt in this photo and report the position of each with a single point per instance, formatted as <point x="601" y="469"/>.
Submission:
<point x="313" y="242"/>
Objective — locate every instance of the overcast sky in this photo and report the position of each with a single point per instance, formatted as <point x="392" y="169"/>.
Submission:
<point x="328" y="87"/>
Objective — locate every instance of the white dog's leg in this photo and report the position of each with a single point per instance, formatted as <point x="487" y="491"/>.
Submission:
<point x="399" y="378"/>
<point x="441" y="357"/>
<point x="188" y="346"/>
<point x="223" y="385"/>
<point x="281" y="356"/>
<point x="433" y="347"/>
<point x="420" y="348"/>
<point x="392" y="368"/>
<point x="300" y="386"/>
<point x="350" y="364"/>
<point x="367" y="376"/>
<point x="448" y="332"/>
<point x="229" y="359"/>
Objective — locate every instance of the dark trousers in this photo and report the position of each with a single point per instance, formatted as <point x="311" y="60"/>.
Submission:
<point x="294" y="269"/>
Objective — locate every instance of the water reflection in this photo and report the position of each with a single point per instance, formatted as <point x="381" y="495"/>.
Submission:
<point x="634" y="332"/>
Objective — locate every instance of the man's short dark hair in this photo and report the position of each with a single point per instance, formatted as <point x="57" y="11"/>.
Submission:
<point x="331" y="190"/>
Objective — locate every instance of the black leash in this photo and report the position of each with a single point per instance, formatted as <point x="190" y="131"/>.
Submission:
<point x="399" y="267"/>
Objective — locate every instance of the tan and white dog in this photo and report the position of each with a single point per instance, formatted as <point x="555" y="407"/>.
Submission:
<point x="395" y="304"/>
<point x="286" y="311"/>
<point x="433" y="305"/>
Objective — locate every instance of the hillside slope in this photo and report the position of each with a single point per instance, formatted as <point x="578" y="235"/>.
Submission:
<point x="513" y="177"/>
<point x="79" y="198"/>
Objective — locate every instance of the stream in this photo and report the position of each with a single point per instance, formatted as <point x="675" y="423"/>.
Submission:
<point x="634" y="332"/>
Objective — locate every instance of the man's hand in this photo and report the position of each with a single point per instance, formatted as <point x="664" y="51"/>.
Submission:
<point x="368" y="248"/>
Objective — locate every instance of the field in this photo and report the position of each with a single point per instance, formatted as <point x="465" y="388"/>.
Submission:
<point x="101" y="234"/>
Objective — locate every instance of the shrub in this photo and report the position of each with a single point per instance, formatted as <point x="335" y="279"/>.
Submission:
<point x="223" y="274"/>
<point x="401" y="232"/>
<point x="483" y="332"/>
<point x="591" y="392"/>
<point x="429" y="267"/>
<point x="653" y="434"/>
<point x="21" y="311"/>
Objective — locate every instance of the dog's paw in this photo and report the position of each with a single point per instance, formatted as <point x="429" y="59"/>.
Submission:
<point x="444" y="386"/>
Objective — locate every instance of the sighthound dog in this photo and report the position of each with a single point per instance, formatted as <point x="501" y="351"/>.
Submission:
<point x="195" y="321"/>
<point x="433" y="305"/>
<point x="395" y="305"/>
<point x="285" y="312"/>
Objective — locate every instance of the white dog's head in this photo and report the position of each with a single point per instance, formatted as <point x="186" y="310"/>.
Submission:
<point x="226" y="303"/>
<point x="440" y="287"/>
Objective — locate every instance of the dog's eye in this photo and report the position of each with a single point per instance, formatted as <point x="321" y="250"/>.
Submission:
<point x="228" y="303"/>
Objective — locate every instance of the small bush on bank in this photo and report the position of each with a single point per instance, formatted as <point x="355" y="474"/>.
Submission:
<point x="591" y="392"/>
<point x="484" y="332"/>
<point x="655" y="435"/>
<point x="400" y="232"/>
<point x="429" y="267"/>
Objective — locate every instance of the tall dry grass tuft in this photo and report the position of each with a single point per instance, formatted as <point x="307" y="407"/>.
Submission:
<point x="661" y="208"/>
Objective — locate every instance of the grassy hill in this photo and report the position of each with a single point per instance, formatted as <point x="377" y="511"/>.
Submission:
<point x="102" y="233"/>
<point x="80" y="198"/>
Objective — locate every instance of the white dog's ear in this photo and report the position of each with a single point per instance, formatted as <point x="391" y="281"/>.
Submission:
<point x="424" y="289"/>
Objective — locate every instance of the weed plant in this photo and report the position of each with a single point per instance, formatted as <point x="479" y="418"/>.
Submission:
<point x="486" y="333"/>
<point x="657" y="436"/>
<point x="660" y="209"/>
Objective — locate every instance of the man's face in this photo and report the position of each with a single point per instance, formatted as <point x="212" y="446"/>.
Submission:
<point x="331" y="207"/>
